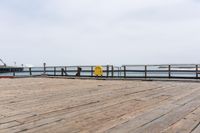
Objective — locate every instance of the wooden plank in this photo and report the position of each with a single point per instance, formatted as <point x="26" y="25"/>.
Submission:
<point x="60" y="105"/>
<point x="69" y="127"/>
<point x="168" y="119"/>
<point x="142" y="119"/>
<point x="131" y="124"/>
<point x="9" y="125"/>
<point x="186" y="125"/>
<point x="197" y="129"/>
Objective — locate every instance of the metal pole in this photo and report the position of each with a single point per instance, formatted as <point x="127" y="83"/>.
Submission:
<point x="197" y="69"/>
<point x="44" y="68"/>
<point x="91" y="71"/>
<point x="107" y="71"/>
<point x="30" y="71"/>
<point x="118" y="72"/>
<point x="124" y="71"/>
<point x="62" y="71"/>
<point x="112" y="71"/>
<point x="54" y="71"/>
<point x="169" y="67"/>
<point x="145" y="71"/>
<point x="66" y="71"/>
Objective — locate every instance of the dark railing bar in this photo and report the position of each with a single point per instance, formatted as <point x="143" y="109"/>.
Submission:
<point x="92" y="70"/>
<point x="161" y="65"/>
<point x="30" y="72"/>
<point x="54" y="71"/>
<point x="197" y="70"/>
<point x="131" y="71"/>
<point x="124" y="71"/>
<point x="169" y="71"/>
<point x="44" y="68"/>
<point x="145" y="69"/>
<point x="112" y="71"/>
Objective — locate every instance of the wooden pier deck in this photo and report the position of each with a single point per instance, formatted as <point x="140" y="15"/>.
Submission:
<point x="43" y="105"/>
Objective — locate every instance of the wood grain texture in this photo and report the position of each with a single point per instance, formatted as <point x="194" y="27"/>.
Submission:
<point x="44" y="105"/>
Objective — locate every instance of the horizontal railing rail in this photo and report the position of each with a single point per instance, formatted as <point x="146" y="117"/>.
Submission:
<point x="187" y="71"/>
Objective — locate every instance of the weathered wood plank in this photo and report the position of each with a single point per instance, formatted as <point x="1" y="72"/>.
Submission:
<point x="60" y="105"/>
<point x="197" y="129"/>
<point x="168" y="119"/>
<point x="186" y="124"/>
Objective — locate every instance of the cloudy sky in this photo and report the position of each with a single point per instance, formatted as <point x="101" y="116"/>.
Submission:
<point x="74" y="32"/>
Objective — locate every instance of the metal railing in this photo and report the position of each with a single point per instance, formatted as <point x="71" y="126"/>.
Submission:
<point x="186" y="71"/>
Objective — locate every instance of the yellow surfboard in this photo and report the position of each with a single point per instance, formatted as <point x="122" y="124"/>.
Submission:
<point x="98" y="71"/>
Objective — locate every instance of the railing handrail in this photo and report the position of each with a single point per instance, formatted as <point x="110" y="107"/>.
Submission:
<point x="160" y="65"/>
<point x="125" y="71"/>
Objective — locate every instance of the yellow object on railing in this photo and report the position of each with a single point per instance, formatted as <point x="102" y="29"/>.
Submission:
<point x="98" y="71"/>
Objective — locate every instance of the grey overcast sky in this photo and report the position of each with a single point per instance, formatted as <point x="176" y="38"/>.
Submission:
<point x="80" y="32"/>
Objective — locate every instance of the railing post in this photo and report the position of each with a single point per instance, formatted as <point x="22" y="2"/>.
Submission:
<point x="44" y="68"/>
<point x="197" y="69"/>
<point x="145" y="71"/>
<point x="169" y="68"/>
<point x="107" y="69"/>
<point x="30" y="71"/>
<point x="62" y="71"/>
<point x="119" y="72"/>
<point x="91" y="71"/>
<point x="54" y="71"/>
<point x="112" y="71"/>
<point x="66" y="71"/>
<point x="124" y="71"/>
